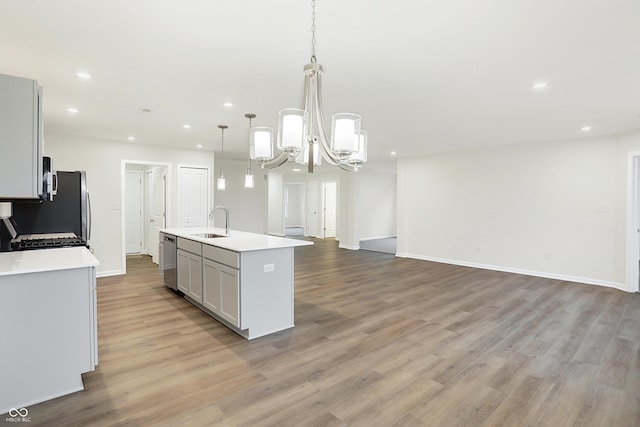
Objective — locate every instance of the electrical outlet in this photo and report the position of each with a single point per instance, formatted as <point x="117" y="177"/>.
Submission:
<point x="268" y="268"/>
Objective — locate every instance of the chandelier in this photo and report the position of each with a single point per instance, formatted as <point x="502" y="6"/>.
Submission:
<point x="302" y="134"/>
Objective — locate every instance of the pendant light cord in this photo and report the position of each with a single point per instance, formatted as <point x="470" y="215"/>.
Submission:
<point x="313" y="31"/>
<point x="250" y="148"/>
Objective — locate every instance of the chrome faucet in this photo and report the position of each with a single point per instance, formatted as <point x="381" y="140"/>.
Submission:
<point x="226" y="216"/>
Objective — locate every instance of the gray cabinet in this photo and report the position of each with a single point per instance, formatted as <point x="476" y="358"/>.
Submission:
<point x="20" y="138"/>
<point x="189" y="257"/>
<point x="221" y="291"/>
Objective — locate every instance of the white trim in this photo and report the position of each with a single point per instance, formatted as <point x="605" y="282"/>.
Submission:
<point x="352" y="248"/>
<point x="633" y="214"/>
<point x="110" y="273"/>
<point x="362" y="239"/>
<point x="566" y="278"/>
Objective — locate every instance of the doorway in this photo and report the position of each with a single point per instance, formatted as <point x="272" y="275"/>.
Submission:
<point x="133" y="219"/>
<point x="294" y="208"/>
<point x="144" y="200"/>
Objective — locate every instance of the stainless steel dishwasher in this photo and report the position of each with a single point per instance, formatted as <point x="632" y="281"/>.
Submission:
<point x="168" y="252"/>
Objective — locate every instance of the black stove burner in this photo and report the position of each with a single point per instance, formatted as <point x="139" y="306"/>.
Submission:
<point x="57" y="242"/>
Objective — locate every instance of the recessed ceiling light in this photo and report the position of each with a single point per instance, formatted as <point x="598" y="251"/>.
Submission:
<point x="393" y="153"/>
<point x="585" y="128"/>
<point x="228" y="104"/>
<point x="199" y="145"/>
<point x="539" y="85"/>
<point x="186" y="126"/>
<point x="73" y="110"/>
<point x="297" y="170"/>
<point x="131" y="138"/>
<point x="83" y="75"/>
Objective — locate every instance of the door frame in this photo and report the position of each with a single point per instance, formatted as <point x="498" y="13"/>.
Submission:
<point x="633" y="221"/>
<point x="140" y="221"/>
<point x="323" y="208"/>
<point x="167" y="192"/>
<point x="149" y="173"/>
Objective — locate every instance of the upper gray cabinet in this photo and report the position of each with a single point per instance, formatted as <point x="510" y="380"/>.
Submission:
<point x="21" y="146"/>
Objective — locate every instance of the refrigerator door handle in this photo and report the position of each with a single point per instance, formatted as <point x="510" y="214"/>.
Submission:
<point x="54" y="184"/>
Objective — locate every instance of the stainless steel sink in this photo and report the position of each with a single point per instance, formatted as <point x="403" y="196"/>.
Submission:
<point x="209" y="235"/>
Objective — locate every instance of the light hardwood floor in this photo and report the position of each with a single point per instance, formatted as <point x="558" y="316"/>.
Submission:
<point x="379" y="341"/>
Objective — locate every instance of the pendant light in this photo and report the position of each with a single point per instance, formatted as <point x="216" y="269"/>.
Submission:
<point x="249" y="178"/>
<point x="221" y="181"/>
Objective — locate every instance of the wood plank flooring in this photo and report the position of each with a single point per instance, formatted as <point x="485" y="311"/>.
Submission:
<point x="379" y="341"/>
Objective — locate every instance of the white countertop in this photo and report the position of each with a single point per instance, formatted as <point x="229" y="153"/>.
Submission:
<point x="238" y="241"/>
<point x="39" y="260"/>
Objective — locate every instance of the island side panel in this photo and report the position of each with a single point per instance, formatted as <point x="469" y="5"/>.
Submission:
<point x="266" y="281"/>
<point x="46" y="334"/>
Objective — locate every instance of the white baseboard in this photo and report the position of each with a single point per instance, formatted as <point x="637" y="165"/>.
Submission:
<point x="352" y="248"/>
<point x="546" y="275"/>
<point x="110" y="273"/>
<point x="376" y="238"/>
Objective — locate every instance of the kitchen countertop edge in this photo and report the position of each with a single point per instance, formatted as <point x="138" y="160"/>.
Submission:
<point x="237" y="241"/>
<point x="43" y="260"/>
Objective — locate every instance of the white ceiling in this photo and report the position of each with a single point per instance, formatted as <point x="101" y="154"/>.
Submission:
<point x="425" y="75"/>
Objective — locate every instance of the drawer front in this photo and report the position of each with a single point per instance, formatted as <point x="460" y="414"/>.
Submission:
<point x="190" y="246"/>
<point x="223" y="256"/>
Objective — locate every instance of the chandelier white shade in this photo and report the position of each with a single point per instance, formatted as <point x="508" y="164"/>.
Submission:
<point x="303" y="157"/>
<point x="292" y="126"/>
<point x="358" y="157"/>
<point x="261" y="143"/>
<point x="345" y="128"/>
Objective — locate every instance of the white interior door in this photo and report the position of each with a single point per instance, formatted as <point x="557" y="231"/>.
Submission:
<point x="329" y="209"/>
<point x="193" y="196"/>
<point x="311" y="227"/>
<point x="156" y="197"/>
<point x="133" y="212"/>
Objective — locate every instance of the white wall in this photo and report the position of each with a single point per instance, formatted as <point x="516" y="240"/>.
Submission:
<point x="101" y="159"/>
<point x="247" y="206"/>
<point x="377" y="199"/>
<point x="275" y="204"/>
<point x="551" y="209"/>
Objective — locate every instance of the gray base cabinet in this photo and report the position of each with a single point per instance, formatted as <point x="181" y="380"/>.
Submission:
<point x="189" y="259"/>
<point x="222" y="291"/>
<point x="250" y="292"/>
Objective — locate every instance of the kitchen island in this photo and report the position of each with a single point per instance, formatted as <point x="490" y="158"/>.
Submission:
<point x="244" y="280"/>
<point x="48" y="324"/>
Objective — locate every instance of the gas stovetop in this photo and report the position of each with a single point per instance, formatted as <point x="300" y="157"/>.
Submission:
<point x="44" y="241"/>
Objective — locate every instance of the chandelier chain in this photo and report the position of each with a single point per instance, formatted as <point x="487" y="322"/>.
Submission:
<point x="313" y="31"/>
